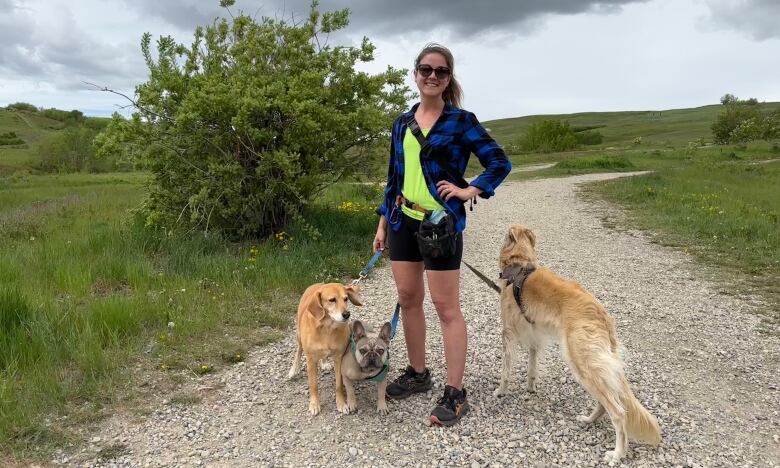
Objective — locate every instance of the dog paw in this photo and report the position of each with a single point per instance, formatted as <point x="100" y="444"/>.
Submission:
<point x="531" y="387"/>
<point x="612" y="457"/>
<point x="314" y="408"/>
<point x="581" y="418"/>
<point x="347" y="408"/>
<point x="291" y="375"/>
<point x="382" y="408"/>
<point x="499" y="392"/>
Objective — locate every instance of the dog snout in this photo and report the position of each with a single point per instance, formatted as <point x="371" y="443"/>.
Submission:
<point x="345" y="314"/>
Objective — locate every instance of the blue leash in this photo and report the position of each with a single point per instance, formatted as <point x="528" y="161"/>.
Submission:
<point x="363" y="274"/>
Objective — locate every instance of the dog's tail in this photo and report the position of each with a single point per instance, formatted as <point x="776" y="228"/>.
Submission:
<point x="602" y="374"/>
<point x="296" y="361"/>
<point x="640" y="424"/>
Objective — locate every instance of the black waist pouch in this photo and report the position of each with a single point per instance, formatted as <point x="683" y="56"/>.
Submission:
<point x="437" y="240"/>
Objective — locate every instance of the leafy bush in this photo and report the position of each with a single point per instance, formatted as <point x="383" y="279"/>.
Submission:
<point x="67" y="117"/>
<point x="72" y="150"/>
<point x="25" y="106"/>
<point x="742" y="121"/>
<point x="589" y="137"/>
<point x="242" y="129"/>
<point x="10" y="138"/>
<point x="548" y="136"/>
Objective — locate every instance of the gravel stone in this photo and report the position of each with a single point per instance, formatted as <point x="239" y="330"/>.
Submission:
<point x="692" y="354"/>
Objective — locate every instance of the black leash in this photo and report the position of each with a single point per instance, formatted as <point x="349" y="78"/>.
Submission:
<point x="484" y="278"/>
<point x="517" y="287"/>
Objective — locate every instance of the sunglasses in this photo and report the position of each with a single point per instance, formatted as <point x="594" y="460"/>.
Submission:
<point x="426" y="70"/>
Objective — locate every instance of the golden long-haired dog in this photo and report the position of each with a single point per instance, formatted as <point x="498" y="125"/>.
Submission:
<point x="322" y="331"/>
<point x="556" y="308"/>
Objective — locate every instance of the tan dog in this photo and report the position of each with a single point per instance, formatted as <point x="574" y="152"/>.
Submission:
<point x="322" y="331"/>
<point x="561" y="309"/>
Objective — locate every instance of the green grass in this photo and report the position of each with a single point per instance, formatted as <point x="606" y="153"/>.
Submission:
<point x="91" y="302"/>
<point x="725" y="212"/>
<point x="33" y="129"/>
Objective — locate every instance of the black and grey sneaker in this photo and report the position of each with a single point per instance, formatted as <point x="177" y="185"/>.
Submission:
<point x="450" y="407"/>
<point x="408" y="383"/>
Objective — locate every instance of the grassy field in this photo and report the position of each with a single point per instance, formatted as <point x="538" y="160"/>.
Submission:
<point x="667" y="128"/>
<point x="724" y="208"/>
<point x="98" y="313"/>
<point x="90" y="302"/>
<point x="32" y="129"/>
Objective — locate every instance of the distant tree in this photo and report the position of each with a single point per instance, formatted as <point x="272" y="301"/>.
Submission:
<point x="728" y="98"/>
<point x="25" y="106"/>
<point x="248" y="124"/>
<point x="68" y="117"/>
<point x="739" y="122"/>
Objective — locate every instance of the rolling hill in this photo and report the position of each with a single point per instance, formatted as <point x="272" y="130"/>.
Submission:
<point x="672" y="127"/>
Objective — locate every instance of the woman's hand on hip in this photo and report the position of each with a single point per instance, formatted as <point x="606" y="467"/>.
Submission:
<point x="449" y="190"/>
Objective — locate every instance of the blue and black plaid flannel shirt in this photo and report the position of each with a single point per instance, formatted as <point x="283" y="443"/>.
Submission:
<point x="457" y="133"/>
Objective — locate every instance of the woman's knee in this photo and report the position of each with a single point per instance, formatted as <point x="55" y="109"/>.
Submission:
<point x="411" y="298"/>
<point x="448" y="310"/>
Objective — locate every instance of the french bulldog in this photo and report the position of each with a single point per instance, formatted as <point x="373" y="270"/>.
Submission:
<point x="365" y="358"/>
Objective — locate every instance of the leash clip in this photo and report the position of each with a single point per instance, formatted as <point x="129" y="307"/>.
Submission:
<point x="357" y="280"/>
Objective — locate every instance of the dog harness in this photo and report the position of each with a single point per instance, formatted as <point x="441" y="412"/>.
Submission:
<point x="382" y="374"/>
<point x="517" y="274"/>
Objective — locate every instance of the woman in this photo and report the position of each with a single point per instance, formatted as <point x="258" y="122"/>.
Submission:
<point x="416" y="186"/>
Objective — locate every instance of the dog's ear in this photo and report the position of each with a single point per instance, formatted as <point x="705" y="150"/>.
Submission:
<point x="531" y="237"/>
<point x="315" y="307"/>
<point x="385" y="332"/>
<point x="353" y="293"/>
<point x="511" y="236"/>
<point x="358" y="330"/>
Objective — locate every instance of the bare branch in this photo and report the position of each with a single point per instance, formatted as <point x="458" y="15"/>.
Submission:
<point x="133" y="101"/>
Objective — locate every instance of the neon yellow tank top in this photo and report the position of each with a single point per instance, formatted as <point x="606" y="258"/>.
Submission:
<point x="415" y="189"/>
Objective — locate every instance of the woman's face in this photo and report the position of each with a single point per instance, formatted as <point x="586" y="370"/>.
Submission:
<point x="437" y="81"/>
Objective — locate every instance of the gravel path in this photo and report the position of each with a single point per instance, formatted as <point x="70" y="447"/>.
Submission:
<point x="692" y="354"/>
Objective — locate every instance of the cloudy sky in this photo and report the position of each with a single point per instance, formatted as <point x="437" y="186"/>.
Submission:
<point x="513" y="57"/>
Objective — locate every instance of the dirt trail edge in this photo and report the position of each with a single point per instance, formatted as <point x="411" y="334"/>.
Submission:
<point x="692" y="354"/>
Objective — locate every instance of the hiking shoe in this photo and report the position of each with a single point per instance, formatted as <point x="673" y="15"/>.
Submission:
<point x="408" y="383"/>
<point x="450" y="407"/>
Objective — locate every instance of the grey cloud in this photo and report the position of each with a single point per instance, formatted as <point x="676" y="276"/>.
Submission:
<point x="757" y="18"/>
<point x="60" y="54"/>
<point x="15" y="24"/>
<point x="464" y="17"/>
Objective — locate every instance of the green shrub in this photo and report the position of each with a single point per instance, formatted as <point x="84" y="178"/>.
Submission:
<point x="589" y="137"/>
<point x="548" y="136"/>
<point x="25" y="106"/>
<point x="67" y="117"/>
<point x="10" y="138"/>
<point x="741" y="121"/>
<point x="72" y="150"/>
<point x="245" y="127"/>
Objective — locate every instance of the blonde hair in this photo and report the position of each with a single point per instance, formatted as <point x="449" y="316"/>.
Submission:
<point x="453" y="95"/>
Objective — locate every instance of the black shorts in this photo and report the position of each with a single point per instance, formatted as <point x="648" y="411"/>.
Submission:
<point x="403" y="247"/>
